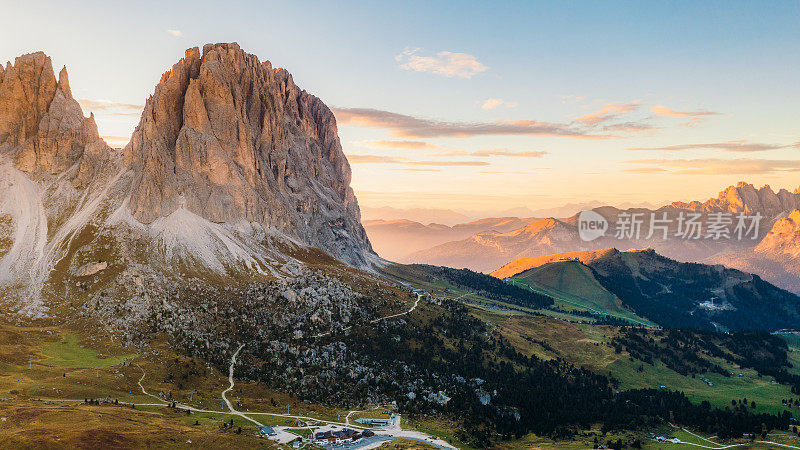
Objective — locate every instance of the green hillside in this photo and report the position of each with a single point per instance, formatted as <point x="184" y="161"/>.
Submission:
<point x="573" y="286"/>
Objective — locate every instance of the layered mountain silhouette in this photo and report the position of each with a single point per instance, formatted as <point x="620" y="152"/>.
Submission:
<point x="396" y="239"/>
<point x="488" y="250"/>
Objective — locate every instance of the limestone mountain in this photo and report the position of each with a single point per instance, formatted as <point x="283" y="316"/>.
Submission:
<point x="233" y="172"/>
<point x="54" y="168"/>
<point x="42" y="128"/>
<point x="229" y="138"/>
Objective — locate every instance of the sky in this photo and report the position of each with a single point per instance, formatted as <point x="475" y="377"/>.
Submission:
<point x="479" y="106"/>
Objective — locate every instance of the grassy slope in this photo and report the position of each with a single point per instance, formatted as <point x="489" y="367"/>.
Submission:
<point x="587" y="345"/>
<point x="34" y="424"/>
<point x="416" y="277"/>
<point x="573" y="285"/>
<point x="64" y="366"/>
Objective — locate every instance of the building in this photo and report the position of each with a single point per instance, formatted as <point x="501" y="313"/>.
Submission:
<point x="337" y="437"/>
<point x="267" y="431"/>
<point x="375" y="422"/>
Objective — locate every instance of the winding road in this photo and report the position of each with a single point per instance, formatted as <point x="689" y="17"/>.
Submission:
<point x="392" y="316"/>
<point x="230" y="379"/>
<point x="721" y="447"/>
<point x="393" y="432"/>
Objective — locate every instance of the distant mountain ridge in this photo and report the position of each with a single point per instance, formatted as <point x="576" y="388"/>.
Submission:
<point x="396" y="239"/>
<point x="488" y="250"/>
<point x="423" y="216"/>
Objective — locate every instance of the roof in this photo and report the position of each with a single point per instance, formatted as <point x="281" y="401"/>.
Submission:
<point x="267" y="430"/>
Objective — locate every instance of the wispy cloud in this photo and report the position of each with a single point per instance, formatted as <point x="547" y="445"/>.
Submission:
<point x="118" y="141"/>
<point x="730" y="146"/>
<point x="492" y="103"/>
<point x="695" y="117"/>
<point x="716" y="166"/>
<point x="445" y="152"/>
<point x="416" y="169"/>
<point x="379" y="159"/>
<point x="403" y="145"/>
<point x="373" y="159"/>
<point x="110" y="107"/>
<point x="448" y="163"/>
<point x="513" y="172"/>
<point x="175" y="33"/>
<point x="411" y="127"/>
<point x="505" y="152"/>
<point x="607" y="113"/>
<point x="448" y="64"/>
<point x="645" y="170"/>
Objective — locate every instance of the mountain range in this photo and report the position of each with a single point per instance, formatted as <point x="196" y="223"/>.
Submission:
<point x="396" y="239"/>
<point x="490" y="248"/>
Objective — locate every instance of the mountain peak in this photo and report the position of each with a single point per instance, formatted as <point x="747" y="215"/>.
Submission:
<point x="42" y="127"/>
<point x="230" y="139"/>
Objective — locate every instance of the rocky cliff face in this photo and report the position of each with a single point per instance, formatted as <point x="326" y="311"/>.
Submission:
<point x="783" y="238"/>
<point x="231" y="172"/>
<point x="55" y="171"/>
<point x="776" y="258"/>
<point x="228" y="138"/>
<point x="42" y="128"/>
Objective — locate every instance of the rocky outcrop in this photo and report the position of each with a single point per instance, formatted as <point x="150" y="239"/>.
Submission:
<point x="228" y="138"/>
<point x="55" y="172"/>
<point x="776" y="258"/>
<point x="783" y="238"/>
<point x="42" y="128"/>
<point x="746" y="198"/>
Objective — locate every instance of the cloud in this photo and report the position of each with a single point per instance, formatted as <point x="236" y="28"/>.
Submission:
<point x="110" y="107"/>
<point x="730" y="146"/>
<point x="373" y="159"/>
<point x="645" y="170"/>
<point x="609" y="112"/>
<point x="502" y="172"/>
<point x="492" y="103"/>
<point x="378" y="159"/>
<point x="405" y="145"/>
<point x="121" y="140"/>
<point x="695" y="117"/>
<point x="609" y="119"/>
<point x="175" y="33"/>
<point x="448" y="163"/>
<point x="444" y="152"/>
<point x="411" y="127"/>
<point x="504" y="152"/>
<point x="415" y="169"/>
<point x="448" y="64"/>
<point x="715" y="166"/>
